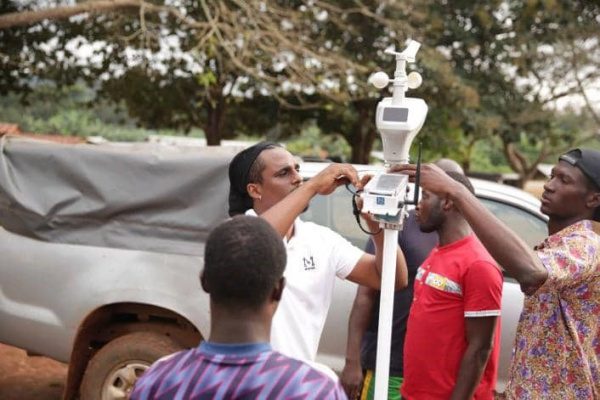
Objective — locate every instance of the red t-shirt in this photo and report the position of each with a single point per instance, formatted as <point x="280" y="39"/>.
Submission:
<point x="456" y="281"/>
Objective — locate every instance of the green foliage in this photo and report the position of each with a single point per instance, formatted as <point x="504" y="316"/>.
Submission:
<point x="311" y="143"/>
<point x="206" y="79"/>
<point x="487" y="66"/>
<point x="487" y="158"/>
<point x="67" y="111"/>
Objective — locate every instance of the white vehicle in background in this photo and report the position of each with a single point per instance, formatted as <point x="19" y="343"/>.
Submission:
<point x="102" y="248"/>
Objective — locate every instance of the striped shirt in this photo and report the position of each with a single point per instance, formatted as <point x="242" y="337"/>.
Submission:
<point x="234" y="371"/>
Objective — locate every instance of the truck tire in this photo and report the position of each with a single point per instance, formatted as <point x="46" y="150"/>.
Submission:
<point x="113" y="370"/>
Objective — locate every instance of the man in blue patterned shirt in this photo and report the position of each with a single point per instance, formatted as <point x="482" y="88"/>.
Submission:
<point x="243" y="274"/>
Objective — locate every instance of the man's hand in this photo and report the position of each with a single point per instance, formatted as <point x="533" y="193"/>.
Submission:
<point x="326" y="181"/>
<point x="360" y="316"/>
<point x="433" y="178"/>
<point x="352" y="378"/>
<point x="281" y="216"/>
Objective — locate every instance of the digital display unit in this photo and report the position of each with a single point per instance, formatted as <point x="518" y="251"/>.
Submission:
<point x="395" y="114"/>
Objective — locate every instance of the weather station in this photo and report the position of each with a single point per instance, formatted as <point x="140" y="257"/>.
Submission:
<point x="386" y="196"/>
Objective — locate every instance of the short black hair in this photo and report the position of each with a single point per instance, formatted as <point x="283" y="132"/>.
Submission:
<point x="457" y="176"/>
<point x="243" y="259"/>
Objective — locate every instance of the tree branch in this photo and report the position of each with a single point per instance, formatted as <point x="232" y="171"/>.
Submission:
<point x="594" y="113"/>
<point x="25" y="18"/>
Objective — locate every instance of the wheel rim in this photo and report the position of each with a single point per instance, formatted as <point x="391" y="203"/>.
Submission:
<point x="119" y="383"/>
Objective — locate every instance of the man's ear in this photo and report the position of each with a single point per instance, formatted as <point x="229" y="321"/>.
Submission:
<point x="203" y="282"/>
<point x="593" y="200"/>
<point x="447" y="204"/>
<point x="254" y="190"/>
<point x="278" y="289"/>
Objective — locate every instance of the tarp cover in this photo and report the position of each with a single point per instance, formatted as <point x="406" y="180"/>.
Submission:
<point x="143" y="197"/>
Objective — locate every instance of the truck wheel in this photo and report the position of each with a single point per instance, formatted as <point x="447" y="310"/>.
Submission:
<point x="112" y="372"/>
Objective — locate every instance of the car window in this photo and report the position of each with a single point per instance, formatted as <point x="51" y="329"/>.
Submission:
<point x="531" y="228"/>
<point x="335" y="212"/>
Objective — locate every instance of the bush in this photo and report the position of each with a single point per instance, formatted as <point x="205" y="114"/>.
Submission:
<point x="67" y="112"/>
<point x="312" y="143"/>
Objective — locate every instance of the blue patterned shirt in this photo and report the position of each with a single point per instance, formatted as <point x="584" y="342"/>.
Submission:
<point x="234" y="371"/>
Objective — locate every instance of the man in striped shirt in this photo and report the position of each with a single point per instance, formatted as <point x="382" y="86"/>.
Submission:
<point x="243" y="274"/>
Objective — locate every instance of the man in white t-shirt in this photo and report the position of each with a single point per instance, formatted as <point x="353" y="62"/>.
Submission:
<point x="265" y="182"/>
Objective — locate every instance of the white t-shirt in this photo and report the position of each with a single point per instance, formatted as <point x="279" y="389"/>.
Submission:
<point x="315" y="256"/>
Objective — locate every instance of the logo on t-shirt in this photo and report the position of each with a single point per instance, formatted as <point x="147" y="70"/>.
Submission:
<point x="309" y="263"/>
<point x="443" y="283"/>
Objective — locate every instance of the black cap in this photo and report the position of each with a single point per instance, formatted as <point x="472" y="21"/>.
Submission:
<point x="587" y="160"/>
<point x="239" y="199"/>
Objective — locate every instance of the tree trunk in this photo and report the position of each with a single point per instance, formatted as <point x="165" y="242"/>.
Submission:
<point x="519" y="163"/>
<point x="516" y="161"/>
<point x="364" y="132"/>
<point x="215" y="111"/>
<point x="467" y="154"/>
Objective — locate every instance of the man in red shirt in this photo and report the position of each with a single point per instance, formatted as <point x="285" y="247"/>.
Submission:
<point x="452" y="341"/>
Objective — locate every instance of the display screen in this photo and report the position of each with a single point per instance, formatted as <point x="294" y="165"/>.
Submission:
<point x="395" y="114"/>
<point x="388" y="182"/>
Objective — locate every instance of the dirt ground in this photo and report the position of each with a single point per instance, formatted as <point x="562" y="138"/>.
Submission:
<point x="29" y="378"/>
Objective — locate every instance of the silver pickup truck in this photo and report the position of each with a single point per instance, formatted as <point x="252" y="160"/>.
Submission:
<point x="101" y="248"/>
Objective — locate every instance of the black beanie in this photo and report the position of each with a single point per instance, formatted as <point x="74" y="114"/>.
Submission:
<point x="239" y="200"/>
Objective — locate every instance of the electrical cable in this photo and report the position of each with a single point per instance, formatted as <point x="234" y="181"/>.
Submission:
<point x="356" y="211"/>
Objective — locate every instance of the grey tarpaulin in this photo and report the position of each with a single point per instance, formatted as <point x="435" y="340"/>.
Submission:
<point x="143" y="197"/>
